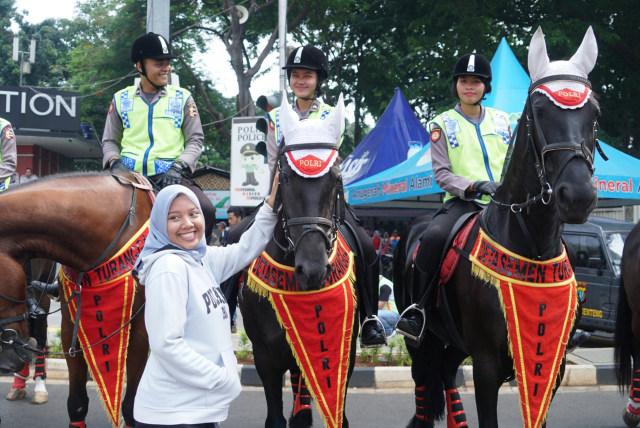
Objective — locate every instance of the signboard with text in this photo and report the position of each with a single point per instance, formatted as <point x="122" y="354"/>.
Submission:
<point x="249" y="169"/>
<point x="49" y="109"/>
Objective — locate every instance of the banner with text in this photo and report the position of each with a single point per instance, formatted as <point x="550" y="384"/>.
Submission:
<point x="249" y="169"/>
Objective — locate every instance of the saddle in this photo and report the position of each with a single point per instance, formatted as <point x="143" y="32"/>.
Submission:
<point x="454" y="249"/>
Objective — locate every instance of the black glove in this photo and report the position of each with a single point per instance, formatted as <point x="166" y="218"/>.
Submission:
<point x="486" y="187"/>
<point x="173" y="175"/>
<point x="116" y="166"/>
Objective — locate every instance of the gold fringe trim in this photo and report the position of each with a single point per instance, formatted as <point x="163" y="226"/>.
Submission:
<point x="258" y="288"/>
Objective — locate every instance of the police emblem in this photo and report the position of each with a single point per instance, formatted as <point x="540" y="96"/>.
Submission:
<point x="435" y="134"/>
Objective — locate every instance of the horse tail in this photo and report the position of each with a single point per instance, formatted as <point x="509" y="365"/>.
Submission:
<point x="623" y="340"/>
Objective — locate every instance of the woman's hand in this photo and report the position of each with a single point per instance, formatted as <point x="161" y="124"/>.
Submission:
<point x="274" y="189"/>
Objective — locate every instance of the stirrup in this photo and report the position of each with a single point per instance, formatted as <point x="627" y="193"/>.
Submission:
<point x="374" y="318"/>
<point x="417" y="339"/>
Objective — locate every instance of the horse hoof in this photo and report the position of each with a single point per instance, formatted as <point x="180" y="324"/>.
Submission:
<point x="16" y="394"/>
<point x="40" y="397"/>
<point x="629" y="419"/>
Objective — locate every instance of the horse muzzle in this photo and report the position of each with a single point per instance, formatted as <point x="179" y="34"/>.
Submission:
<point x="13" y="352"/>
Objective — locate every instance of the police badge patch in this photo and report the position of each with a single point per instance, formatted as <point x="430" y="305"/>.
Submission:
<point x="8" y="133"/>
<point x="435" y="134"/>
<point x="192" y="109"/>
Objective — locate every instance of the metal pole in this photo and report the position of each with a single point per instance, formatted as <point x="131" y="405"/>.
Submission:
<point x="282" y="40"/>
<point x="158" y="17"/>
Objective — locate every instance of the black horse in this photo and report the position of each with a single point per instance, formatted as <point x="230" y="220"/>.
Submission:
<point x="546" y="183"/>
<point x="312" y="210"/>
<point x="627" y="334"/>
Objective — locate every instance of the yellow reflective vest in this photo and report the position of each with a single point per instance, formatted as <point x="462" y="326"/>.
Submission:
<point x="476" y="150"/>
<point x="152" y="136"/>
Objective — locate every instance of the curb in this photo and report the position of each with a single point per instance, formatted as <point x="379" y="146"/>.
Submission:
<point x="399" y="377"/>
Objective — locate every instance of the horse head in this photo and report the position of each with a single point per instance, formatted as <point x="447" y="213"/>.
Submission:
<point x="15" y="345"/>
<point x="557" y="133"/>
<point x="311" y="191"/>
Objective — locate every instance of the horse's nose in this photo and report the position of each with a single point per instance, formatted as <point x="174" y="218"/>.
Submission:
<point x="312" y="276"/>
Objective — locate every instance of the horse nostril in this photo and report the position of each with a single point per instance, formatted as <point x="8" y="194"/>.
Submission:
<point x="328" y="269"/>
<point x="298" y="271"/>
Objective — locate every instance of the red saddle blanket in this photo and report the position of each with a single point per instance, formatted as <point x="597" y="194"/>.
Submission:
<point x="318" y="324"/>
<point x="539" y="302"/>
<point x="106" y="305"/>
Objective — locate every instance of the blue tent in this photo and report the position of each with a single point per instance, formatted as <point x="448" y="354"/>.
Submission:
<point x="617" y="178"/>
<point x="387" y="144"/>
<point x="413" y="177"/>
<point x="510" y="83"/>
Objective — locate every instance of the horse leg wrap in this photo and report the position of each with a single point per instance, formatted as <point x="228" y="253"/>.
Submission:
<point x="301" y="395"/>
<point x="634" y="394"/>
<point x="456" y="418"/>
<point x="40" y="367"/>
<point x="80" y="424"/>
<point x="20" y="378"/>
<point x="421" y="410"/>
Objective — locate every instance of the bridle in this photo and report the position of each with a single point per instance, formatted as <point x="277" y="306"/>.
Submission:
<point x="10" y="337"/>
<point x="534" y="133"/>
<point x="328" y="228"/>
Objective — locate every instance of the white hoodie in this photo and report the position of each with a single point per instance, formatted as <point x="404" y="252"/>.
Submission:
<point x="191" y="376"/>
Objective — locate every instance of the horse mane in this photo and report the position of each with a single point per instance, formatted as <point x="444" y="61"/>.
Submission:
<point x="48" y="178"/>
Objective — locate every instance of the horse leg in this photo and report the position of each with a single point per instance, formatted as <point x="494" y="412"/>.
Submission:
<point x="426" y="366"/>
<point x="301" y="412"/>
<point x="456" y="417"/>
<point x="487" y="380"/>
<point x="78" y="400"/>
<point x="19" y="387"/>
<point x="38" y="330"/>
<point x="136" y="357"/>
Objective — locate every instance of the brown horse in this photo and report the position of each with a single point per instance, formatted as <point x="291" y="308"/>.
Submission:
<point x="71" y="219"/>
<point x="627" y="334"/>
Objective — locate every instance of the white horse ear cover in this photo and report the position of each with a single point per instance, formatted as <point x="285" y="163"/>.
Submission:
<point x="580" y="64"/>
<point x="563" y="93"/>
<point x="313" y="162"/>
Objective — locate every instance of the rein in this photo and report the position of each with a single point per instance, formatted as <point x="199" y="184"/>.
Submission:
<point x="536" y="134"/>
<point x="309" y="224"/>
<point x="10" y="337"/>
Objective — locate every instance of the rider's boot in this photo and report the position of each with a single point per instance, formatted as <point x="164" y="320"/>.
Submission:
<point x="51" y="289"/>
<point x="372" y="331"/>
<point x="32" y="305"/>
<point x="578" y="338"/>
<point x="412" y="321"/>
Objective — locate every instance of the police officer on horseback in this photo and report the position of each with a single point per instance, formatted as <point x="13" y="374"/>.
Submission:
<point x="307" y="67"/>
<point x="468" y="148"/>
<point x="154" y="128"/>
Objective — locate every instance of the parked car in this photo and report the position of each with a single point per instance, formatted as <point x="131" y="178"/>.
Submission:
<point x="598" y="245"/>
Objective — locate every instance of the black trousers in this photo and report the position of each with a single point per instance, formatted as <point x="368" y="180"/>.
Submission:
<point x="434" y="238"/>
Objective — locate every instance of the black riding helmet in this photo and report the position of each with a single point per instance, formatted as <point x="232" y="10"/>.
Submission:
<point x="311" y="58"/>
<point x="152" y="46"/>
<point x="472" y="65"/>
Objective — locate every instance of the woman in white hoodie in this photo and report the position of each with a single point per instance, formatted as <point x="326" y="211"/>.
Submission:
<point x="191" y="376"/>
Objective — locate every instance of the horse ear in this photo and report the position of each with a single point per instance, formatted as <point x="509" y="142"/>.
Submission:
<point x="335" y="121"/>
<point x="288" y="118"/>
<point x="538" y="61"/>
<point x="586" y="55"/>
